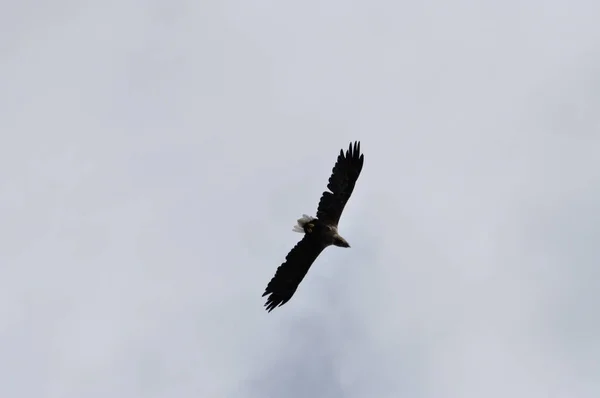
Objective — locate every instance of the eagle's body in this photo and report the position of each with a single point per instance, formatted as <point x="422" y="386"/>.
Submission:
<point x="319" y="232"/>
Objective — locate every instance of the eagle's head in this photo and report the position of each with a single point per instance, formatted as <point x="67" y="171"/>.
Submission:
<point x="339" y="241"/>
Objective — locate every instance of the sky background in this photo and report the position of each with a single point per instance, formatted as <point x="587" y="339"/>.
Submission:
<point x="155" y="156"/>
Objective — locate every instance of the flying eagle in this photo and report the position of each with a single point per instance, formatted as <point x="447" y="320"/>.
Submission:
<point x="319" y="232"/>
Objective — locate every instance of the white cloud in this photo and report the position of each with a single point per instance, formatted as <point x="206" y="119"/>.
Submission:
<point x="156" y="156"/>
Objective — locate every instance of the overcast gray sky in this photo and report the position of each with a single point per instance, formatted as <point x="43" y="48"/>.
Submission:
<point x="155" y="156"/>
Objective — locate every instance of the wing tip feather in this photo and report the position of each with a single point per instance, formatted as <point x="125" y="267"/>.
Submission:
<point x="353" y="150"/>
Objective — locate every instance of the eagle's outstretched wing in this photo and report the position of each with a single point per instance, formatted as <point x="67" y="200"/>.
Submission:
<point x="289" y="274"/>
<point x="341" y="184"/>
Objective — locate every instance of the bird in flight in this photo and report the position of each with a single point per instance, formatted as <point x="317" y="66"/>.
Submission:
<point x="320" y="232"/>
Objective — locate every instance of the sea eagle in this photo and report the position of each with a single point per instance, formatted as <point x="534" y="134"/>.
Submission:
<point x="319" y="232"/>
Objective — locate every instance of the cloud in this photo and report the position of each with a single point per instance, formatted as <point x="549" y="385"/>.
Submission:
<point x="156" y="157"/>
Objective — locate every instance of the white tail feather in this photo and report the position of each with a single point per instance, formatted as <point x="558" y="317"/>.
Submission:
<point x="302" y="221"/>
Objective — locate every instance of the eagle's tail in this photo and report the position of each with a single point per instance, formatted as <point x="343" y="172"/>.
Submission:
<point x="301" y="222"/>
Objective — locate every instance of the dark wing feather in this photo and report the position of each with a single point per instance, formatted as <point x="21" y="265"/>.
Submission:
<point x="289" y="274"/>
<point x="341" y="184"/>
